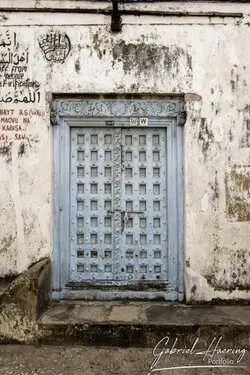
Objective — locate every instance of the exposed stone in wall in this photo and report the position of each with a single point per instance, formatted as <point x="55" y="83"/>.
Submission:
<point x="23" y="302"/>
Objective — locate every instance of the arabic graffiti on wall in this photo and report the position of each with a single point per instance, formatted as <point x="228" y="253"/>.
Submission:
<point x="55" y="46"/>
<point x="15" y="85"/>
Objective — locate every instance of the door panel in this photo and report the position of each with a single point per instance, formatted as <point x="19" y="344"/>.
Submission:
<point x="118" y="205"/>
<point x="92" y="168"/>
<point x="144" y="207"/>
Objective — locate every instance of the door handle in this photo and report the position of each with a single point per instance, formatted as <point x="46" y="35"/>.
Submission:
<point x="127" y="212"/>
<point x="124" y="219"/>
<point x="124" y="216"/>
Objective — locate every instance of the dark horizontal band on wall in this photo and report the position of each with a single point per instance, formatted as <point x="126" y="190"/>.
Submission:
<point x="180" y="1"/>
<point x="129" y="12"/>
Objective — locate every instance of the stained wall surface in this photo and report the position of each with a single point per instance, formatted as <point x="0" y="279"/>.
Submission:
<point x="202" y="55"/>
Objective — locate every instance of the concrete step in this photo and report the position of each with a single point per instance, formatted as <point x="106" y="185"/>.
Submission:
<point x="143" y="324"/>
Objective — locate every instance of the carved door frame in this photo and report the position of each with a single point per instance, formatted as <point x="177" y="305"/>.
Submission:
<point x="68" y="113"/>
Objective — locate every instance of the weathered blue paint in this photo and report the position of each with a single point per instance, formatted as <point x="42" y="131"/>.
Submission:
<point x="118" y="228"/>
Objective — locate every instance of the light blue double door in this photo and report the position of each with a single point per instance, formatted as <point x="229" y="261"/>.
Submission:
<point x="119" y="205"/>
<point x="124" y="189"/>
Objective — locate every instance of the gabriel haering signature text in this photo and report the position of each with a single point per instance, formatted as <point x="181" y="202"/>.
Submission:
<point x="214" y="354"/>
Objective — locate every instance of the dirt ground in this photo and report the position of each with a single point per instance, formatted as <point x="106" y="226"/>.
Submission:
<point x="80" y="360"/>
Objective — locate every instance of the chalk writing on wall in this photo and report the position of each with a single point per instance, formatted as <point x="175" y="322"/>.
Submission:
<point x="55" y="46"/>
<point x="15" y="123"/>
<point x="15" y="85"/>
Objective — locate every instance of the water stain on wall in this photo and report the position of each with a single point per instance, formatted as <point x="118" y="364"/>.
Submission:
<point x="77" y="66"/>
<point x="215" y="188"/>
<point x="206" y="137"/>
<point x="237" y="184"/>
<point x="21" y="150"/>
<point x="235" y="77"/>
<point x="230" y="270"/>
<point x="6" y="151"/>
<point x="6" y="242"/>
<point x="143" y="56"/>
<point x="245" y="139"/>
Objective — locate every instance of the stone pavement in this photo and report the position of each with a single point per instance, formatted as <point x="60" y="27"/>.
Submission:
<point x="134" y="338"/>
<point x="81" y="360"/>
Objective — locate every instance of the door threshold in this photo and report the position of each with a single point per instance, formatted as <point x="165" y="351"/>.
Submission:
<point x="117" y="294"/>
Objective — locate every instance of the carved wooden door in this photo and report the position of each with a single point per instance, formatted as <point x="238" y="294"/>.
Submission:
<point x="118" y="200"/>
<point x="118" y="205"/>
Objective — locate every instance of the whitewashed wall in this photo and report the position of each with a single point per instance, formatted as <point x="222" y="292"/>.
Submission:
<point x="204" y="58"/>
